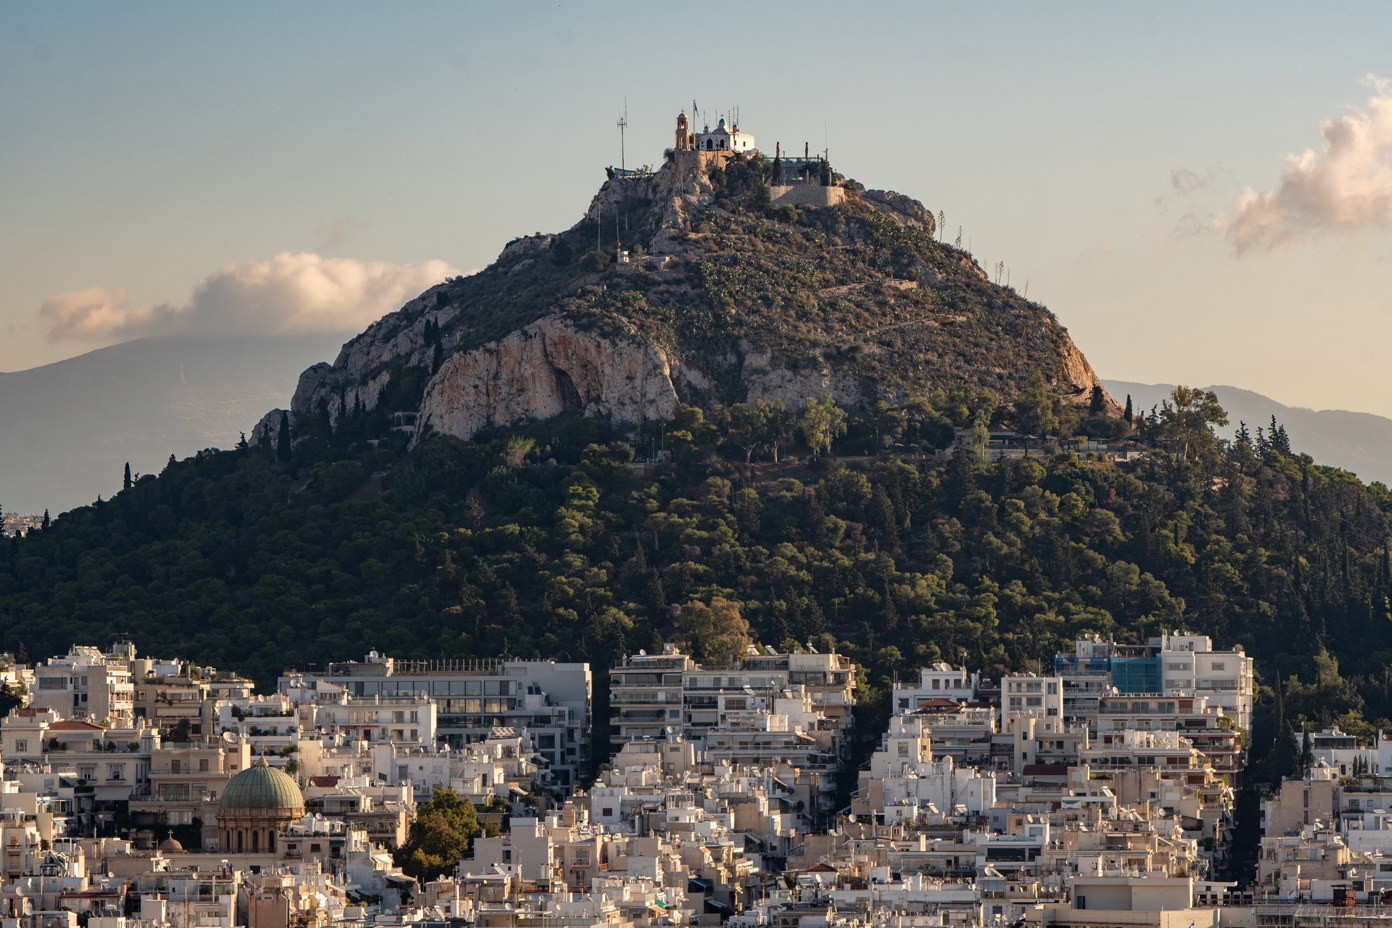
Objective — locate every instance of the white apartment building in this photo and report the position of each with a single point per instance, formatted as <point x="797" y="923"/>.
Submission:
<point x="939" y="682"/>
<point x="1179" y="664"/>
<point x="474" y="697"/>
<point x="1027" y="696"/>
<point x="395" y="719"/>
<point x="1188" y="664"/>
<point x="652" y="693"/>
<point x="87" y="684"/>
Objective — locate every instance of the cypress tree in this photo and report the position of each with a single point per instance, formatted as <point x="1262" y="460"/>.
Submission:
<point x="46" y="520"/>
<point x="1127" y="414"/>
<point x="283" y="439"/>
<point x="437" y="359"/>
<point x="126" y="481"/>
<point x="1285" y="753"/>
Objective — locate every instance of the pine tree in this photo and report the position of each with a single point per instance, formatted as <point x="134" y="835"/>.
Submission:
<point x="126" y="481"/>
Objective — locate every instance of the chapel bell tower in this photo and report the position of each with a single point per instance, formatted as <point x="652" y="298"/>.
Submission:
<point x="683" y="137"/>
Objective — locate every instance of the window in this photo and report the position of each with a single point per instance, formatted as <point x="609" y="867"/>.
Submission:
<point x="607" y="812"/>
<point x="174" y="765"/>
<point x="202" y="765"/>
<point x="21" y="746"/>
<point x="1218" y="666"/>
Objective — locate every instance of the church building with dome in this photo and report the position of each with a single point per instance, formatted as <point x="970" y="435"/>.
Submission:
<point x="256" y="806"/>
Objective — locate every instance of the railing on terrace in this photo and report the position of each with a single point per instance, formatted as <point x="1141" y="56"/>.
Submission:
<point x="1276" y="913"/>
<point x="479" y="665"/>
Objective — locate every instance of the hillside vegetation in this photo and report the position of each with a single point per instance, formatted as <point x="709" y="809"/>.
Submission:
<point x="546" y="543"/>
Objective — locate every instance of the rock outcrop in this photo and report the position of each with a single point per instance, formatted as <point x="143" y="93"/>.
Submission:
<point x="902" y="209"/>
<point x="545" y="369"/>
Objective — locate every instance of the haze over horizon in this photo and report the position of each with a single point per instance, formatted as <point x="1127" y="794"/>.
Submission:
<point x="1200" y="194"/>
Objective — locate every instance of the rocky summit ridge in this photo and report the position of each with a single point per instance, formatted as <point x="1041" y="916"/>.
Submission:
<point x="718" y="278"/>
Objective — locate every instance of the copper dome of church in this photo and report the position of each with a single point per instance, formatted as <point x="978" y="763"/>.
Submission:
<point x="262" y="787"/>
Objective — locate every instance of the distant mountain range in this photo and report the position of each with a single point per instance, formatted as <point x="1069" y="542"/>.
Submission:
<point x="1359" y="442"/>
<point x="67" y="429"/>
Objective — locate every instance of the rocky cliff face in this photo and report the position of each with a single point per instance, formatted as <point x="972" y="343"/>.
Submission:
<point x="722" y="300"/>
<point x="545" y="369"/>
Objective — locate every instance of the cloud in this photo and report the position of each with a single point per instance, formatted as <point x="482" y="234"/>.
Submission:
<point x="290" y="294"/>
<point x="1192" y="224"/>
<point x="1185" y="181"/>
<point x="1345" y="188"/>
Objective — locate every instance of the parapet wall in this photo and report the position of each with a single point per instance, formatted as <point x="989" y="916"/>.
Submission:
<point x="806" y="195"/>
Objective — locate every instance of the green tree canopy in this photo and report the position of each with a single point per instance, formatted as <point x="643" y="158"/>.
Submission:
<point x="714" y="634"/>
<point x="442" y="833"/>
<point x="1188" y="417"/>
<point x="822" y="423"/>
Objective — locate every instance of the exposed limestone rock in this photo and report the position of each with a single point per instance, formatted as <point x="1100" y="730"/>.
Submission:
<point x="765" y="380"/>
<point x="269" y="427"/>
<point x="901" y="209"/>
<point x="1080" y="373"/>
<point x="543" y="370"/>
<point x="678" y="191"/>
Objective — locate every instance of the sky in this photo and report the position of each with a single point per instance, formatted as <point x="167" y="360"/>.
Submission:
<point x="1200" y="192"/>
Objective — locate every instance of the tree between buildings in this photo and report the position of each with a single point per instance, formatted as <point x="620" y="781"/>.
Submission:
<point x="716" y="634"/>
<point x="444" y="830"/>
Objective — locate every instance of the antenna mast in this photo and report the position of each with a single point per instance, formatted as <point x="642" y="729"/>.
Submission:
<point x="622" y="124"/>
